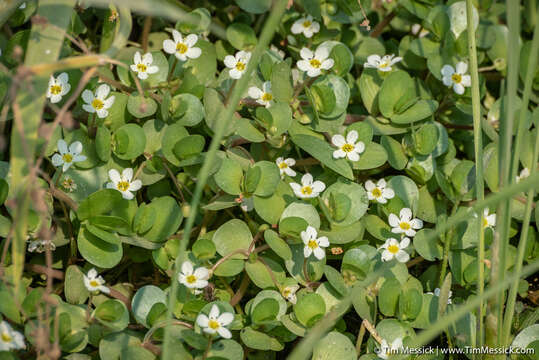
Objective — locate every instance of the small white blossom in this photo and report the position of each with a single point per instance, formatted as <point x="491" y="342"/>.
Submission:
<point x="387" y="349"/>
<point x="349" y="148"/>
<point x="10" y="339"/>
<point x="69" y="184"/>
<point x="23" y="6"/>
<point x="285" y="166"/>
<point x="237" y="64"/>
<point x="143" y="65"/>
<point x="182" y="48"/>
<point x="262" y="96"/>
<point x="197" y="279"/>
<point x="40" y="246"/>
<point x="66" y="157"/>
<point x="314" y="63"/>
<point x="305" y="25"/>
<point x="379" y="191"/>
<point x="216" y="322"/>
<point x="456" y="77"/>
<point x="308" y="188"/>
<point x="289" y="293"/>
<point x="384" y="63"/>
<point x="58" y="87"/>
<point x="95" y="283"/>
<point x="98" y="102"/>
<point x="394" y="249"/>
<point x="523" y="174"/>
<point x="405" y="224"/>
<point x="437" y="293"/>
<point x="314" y="245"/>
<point x="123" y="183"/>
<point x="489" y="220"/>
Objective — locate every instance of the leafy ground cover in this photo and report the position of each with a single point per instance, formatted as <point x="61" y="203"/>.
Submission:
<point x="257" y="179"/>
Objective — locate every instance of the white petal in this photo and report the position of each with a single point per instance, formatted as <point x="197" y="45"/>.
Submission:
<point x="321" y="53"/>
<point x="102" y="113"/>
<point x="313" y="72"/>
<point x="63" y="78"/>
<point x="491" y="219"/>
<point x="410" y="232"/>
<point x="114" y="176"/>
<point x="303" y="65"/>
<point x="202" y="320"/>
<point x="396" y="60"/>
<point x="152" y="69"/>
<point x="65" y="89"/>
<point x="307" y="251"/>
<point x="290" y="162"/>
<point x="447" y="80"/>
<point x="235" y="73"/>
<point x="147" y="59"/>
<point x="373" y="60"/>
<point x="134" y="68"/>
<point x="402" y="256"/>
<point x="202" y="273"/>
<point x="360" y="147"/>
<point x="127" y="195"/>
<point x="135" y="185"/>
<point x="318" y="186"/>
<point x="297" y="27"/>
<point x="169" y="46"/>
<point x="404" y="243"/>
<point x="88" y="96"/>
<point x="177" y="36"/>
<point x="62" y="146"/>
<point x="200" y="284"/>
<point x="306" y="54"/>
<point x="127" y="174"/>
<point x="307" y="179"/>
<point x="102" y="91"/>
<point x="338" y="140"/>
<point x="194" y="53"/>
<point x="352" y="136"/>
<point x="369" y="185"/>
<point x="289" y="172"/>
<point x="416" y="223"/>
<point x="353" y="156"/>
<point x="447" y="70"/>
<point x="108" y="103"/>
<point x="405" y="214"/>
<point x="393" y="220"/>
<point x="225" y="318"/>
<point x="255" y="92"/>
<point x="187" y="268"/>
<point x="75" y="148"/>
<point x="461" y="68"/>
<point x="136" y="58"/>
<point x="388" y="193"/>
<point x="319" y="253"/>
<point x="142" y="75"/>
<point x="191" y="40"/>
<point x="181" y="57"/>
<point x="386" y="255"/>
<point x="224" y="332"/>
<point x="296" y="188"/>
<point x="466" y="80"/>
<point x="327" y="64"/>
<point x="458" y="88"/>
<point x="323" y="241"/>
<point x="57" y="160"/>
<point x="66" y="166"/>
<point x="214" y="312"/>
<point x="88" y="108"/>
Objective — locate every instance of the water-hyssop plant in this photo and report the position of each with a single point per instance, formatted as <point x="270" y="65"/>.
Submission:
<point x="269" y="179"/>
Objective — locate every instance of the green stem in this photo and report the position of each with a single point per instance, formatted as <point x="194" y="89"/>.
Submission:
<point x="272" y="23"/>
<point x="478" y="150"/>
<point x="511" y="299"/>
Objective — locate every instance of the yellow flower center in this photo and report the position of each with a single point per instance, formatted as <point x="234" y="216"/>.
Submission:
<point x="306" y="190"/>
<point x="67" y="158"/>
<point x="56" y="89"/>
<point x="6" y="337"/>
<point x="181" y="48"/>
<point x="97" y="104"/>
<point x="383" y="65"/>
<point x="213" y="324"/>
<point x="94" y="283"/>
<point x="404" y="226"/>
<point x="123" y="185"/>
<point x="286" y="292"/>
<point x="347" y="148"/>
<point x="376" y="192"/>
<point x="307" y="23"/>
<point x="191" y="279"/>
<point x="312" y="244"/>
<point x="283" y="165"/>
<point x="315" y="63"/>
<point x="267" y="97"/>
<point x="240" y="66"/>
<point x="457" y="78"/>
<point x="485" y="222"/>
<point x="393" y="249"/>
<point x="142" y="67"/>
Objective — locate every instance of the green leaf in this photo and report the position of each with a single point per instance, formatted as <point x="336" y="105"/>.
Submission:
<point x="265" y="311"/>
<point x="369" y="87"/>
<point x="140" y="106"/>
<point x="334" y="346"/>
<point x="168" y="218"/>
<point x="171" y="137"/>
<point x="322" y="151"/>
<point x="395" y="153"/>
<point x="254" y="6"/>
<point x="358" y="201"/>
<point x="98" y="252"/>
<point x="143" y="301"/>
<point x="102" y="143"/>
<point x="189" y="146"/>
<point x="418" y="111"/>
<point x="260" y="275"/>
<point x="186" y="110"/>
<point x="388" y="297"/>
<point x="130" y="141"/>
<point x="406" y="189"/>
<point x="259" y="340"/>
<point x="269" y="178"/>
<point x="113" y="314"/>
<point x="278" y="245"/>
<point x="336" y="280"/>
<point x="309" y="309"/>
<point x="241" y="36"/>
<point x="231" y="236"/>
<point x="229" y="177"/>
<point x="374" y="156"/>
<point x="398" y="88"/>
<point x="281" y="82"/>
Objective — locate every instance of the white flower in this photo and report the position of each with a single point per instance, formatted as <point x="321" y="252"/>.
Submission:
<point x="284" y="166"/>
<point x="95" y="283"/>
<point x="262" y="96"/>
<point x="456" y="77"/>
<point x="237" y="64"/>
<point x="489" y="220"/>
<point x="197" y="279"/>
<point x="314" y="63"/>
<point x="22" y="6"/>
<point x="183" y="48"/>
<point x="58" y="87"/>
<point x="98" y="103"/>
<point x="123" y="183"/>
<point x="215" y="323"/>
<point x="289" y="293"/>
<point x="393" y="249"/>
<point x="437" y="293"/>
<point x="67" y="157"/>
<point x="143" y="65"/>
<point x="305" y="25"/>
<point x="348" y="148"/>
<point x="382" y="63"/>
<point x="379" y="191"/>
<point x="40" y="246"/>
<point x="523" y="174"/>
<point x="10" y="339"/>
<point x="314" y="245"/>
<point x="405" y="224"/>
<point x="308" y="188"/>
<point x="387" y="349"/>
